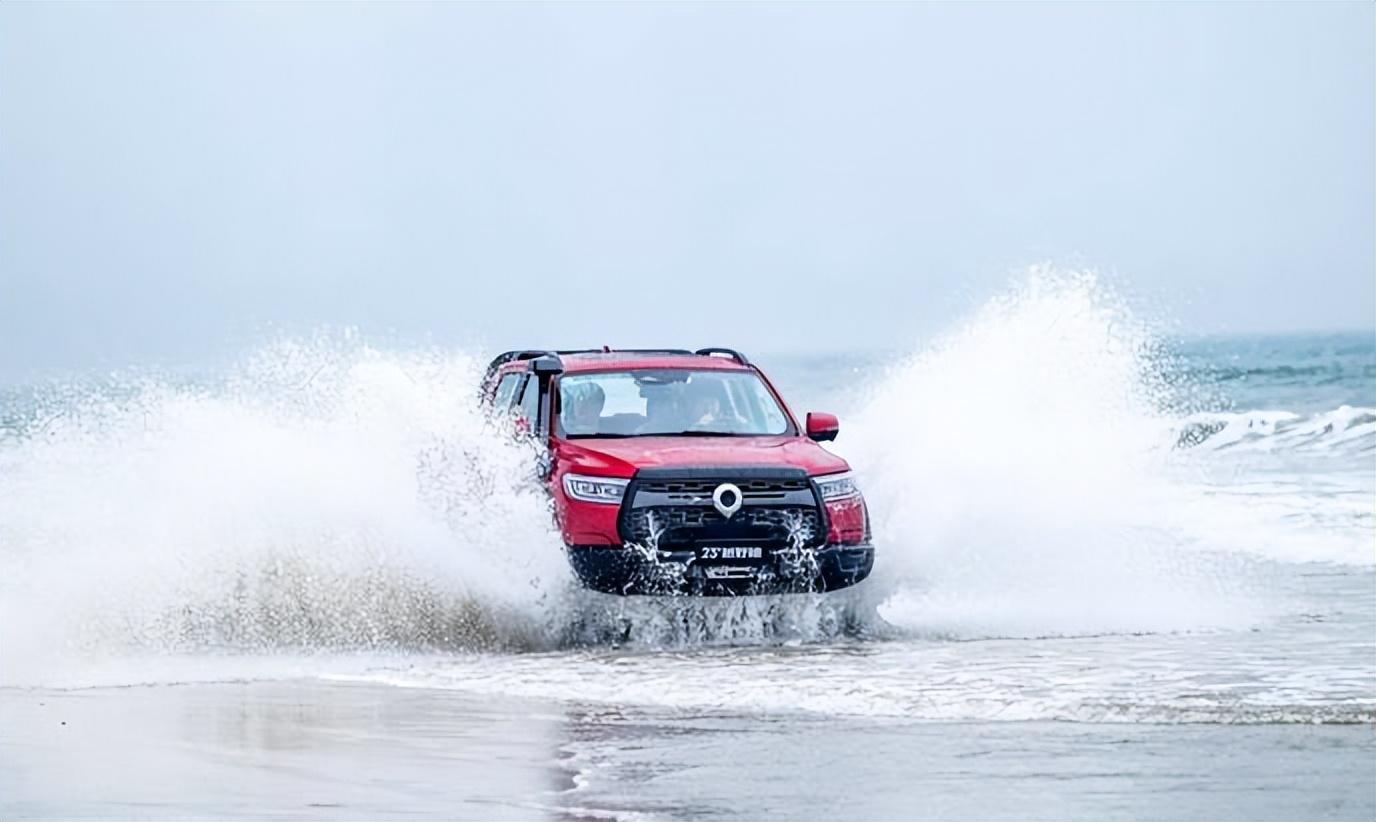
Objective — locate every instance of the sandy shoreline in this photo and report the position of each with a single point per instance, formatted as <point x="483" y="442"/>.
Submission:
<point x="309" y="749"/>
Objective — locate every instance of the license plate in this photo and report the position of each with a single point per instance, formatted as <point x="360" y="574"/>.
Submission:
<point x="730" y="553"/>
<point x="729" y="571"/>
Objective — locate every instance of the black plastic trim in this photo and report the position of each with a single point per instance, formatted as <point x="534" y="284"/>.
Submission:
<point x="628" y="572"/>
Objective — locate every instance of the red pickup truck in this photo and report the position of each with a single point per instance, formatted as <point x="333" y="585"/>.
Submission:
<point x="684" y="472"/>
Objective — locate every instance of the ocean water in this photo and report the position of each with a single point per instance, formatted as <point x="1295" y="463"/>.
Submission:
<point x="1080" y="521"/>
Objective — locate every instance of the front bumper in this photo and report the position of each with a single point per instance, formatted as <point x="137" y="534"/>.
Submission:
<point x="631" y="571"/>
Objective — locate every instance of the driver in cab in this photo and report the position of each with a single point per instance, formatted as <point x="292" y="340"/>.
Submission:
<point x="705" y="413"/>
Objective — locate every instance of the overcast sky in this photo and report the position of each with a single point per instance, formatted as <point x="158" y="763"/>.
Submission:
<point x="179" y="179"/>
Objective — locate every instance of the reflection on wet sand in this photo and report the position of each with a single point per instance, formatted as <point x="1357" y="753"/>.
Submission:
<point x="328" y="750"/>
<point x="301" y="749"/>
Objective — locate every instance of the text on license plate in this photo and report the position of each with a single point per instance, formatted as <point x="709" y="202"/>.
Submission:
<point x="731" y="552"/>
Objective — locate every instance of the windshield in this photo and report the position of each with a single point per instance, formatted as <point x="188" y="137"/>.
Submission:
<point x="658" y="401"/>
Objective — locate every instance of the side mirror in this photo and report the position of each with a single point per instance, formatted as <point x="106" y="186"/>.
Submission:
<point x="822" y="427"/>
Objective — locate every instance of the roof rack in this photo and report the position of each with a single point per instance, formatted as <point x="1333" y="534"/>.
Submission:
<point x="535" y="353"/>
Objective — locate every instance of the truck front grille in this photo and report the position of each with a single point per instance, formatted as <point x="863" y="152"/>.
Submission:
<point x="671" y="509"/>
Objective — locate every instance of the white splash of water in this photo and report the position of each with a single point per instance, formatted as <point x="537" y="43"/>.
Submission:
<point x="326" y="495"/>
<point x="1023" y="479"/>
<point x="1022" y="474"/>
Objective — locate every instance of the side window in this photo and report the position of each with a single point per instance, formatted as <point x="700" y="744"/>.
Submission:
<point x="502" y="399"/>
<point x="530" y="401"/>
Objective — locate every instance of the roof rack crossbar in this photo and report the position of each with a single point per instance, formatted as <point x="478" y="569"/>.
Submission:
<point x="730" y="352"/>
<point x="674" y="351"/>
<point x="609" y="350"/>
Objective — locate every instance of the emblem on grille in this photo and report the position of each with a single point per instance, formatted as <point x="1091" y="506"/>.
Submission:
<point x="727" y="499"/>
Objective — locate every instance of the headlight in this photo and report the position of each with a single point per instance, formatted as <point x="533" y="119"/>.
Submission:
<point x="838" y="486"/>
<point x="595" y="489"/>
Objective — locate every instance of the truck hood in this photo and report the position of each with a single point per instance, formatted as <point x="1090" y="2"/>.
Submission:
<point x="621" y="457"/>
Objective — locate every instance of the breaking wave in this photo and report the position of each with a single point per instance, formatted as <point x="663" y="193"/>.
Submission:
<point x="1344" y="431"/>
<point x="1026" y="480"/>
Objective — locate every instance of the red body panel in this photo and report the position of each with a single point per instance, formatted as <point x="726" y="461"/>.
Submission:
<point x="620" y="457"/>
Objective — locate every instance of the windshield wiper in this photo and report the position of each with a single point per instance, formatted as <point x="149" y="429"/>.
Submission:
<point x="698" y="432"/>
